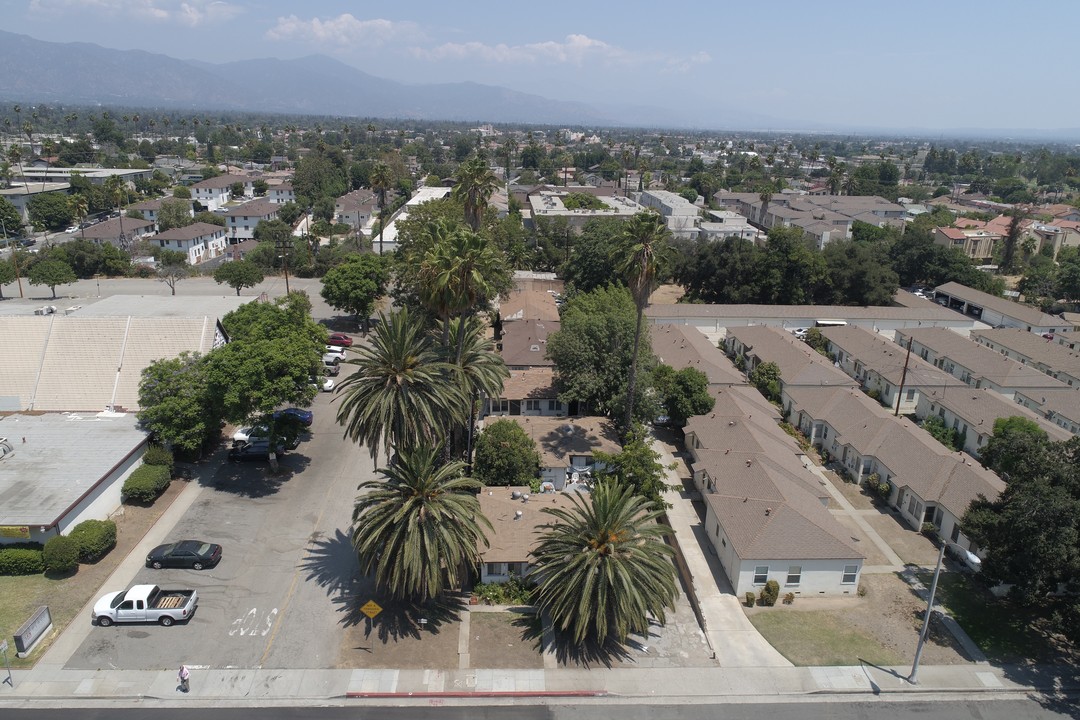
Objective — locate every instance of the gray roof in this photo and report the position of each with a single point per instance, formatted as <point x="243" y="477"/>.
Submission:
<point x="111" y="229"/>
<point x="1064" y="402"/>
<point x="887" y="359"/>
<point x="221" y="181"/>
<point x="163" y="306"/>
<point x="799" y="363"/>
<point x="980" y="407"/>
<point x="260" y="207"/>
<point x="1040" y="350"/>
<point x="524" y="342"/>
<point x="1024" y="313"/>
<point x="59" y="458"/>
<point x="925" y="313"/>
<point x="190" y="232"/>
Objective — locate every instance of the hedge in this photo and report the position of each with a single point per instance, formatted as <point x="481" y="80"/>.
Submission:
<point x="94" y="538"/>
<point x="61" y="554"/>
<point x="146" y="483"/>
<point x="157" y="455"/>
<point x="21" y="561"/>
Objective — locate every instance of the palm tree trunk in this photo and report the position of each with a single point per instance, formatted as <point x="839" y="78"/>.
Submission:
<point x="632" y="381"/>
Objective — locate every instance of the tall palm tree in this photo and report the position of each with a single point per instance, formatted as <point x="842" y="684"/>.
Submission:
<point x="602" y="567"/>
<point x="765" y="194"/>
<point x="115" y="191"/>
<point x="644" y="246"/>
<point x="474" y="187"/>
<point x="419" y="529"/>
<point x="79" y="208"/>
<point x="480" y="369"/>
<point x="402" y="392"/>
<point x="381" y="180"/>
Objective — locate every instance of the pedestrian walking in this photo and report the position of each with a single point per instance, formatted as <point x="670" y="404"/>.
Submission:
<point x="183" y="676"/>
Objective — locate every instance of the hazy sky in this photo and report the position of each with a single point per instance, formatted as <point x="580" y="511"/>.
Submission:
<point x="926" y="64"/>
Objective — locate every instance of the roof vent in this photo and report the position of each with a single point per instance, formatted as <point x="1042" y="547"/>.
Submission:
<point x="517" y="515"/>
<point x="515" y="495"/>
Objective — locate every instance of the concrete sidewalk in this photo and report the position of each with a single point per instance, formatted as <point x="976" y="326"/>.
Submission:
<point x="257" y="686"/>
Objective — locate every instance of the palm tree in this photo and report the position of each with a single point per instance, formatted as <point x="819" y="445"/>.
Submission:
<point x="765" y="194"/>
<point x="480" y="369"/>
<point x="381" y="180"/>
<point x="644" y="245"/>
<point x="474" y="187"/>
<point x="115" y="191"/>
<point x="402" y="393"/>
<point x="602" y="568"/>
<point x="79" y="208"/>
<point x="419" y="528"/>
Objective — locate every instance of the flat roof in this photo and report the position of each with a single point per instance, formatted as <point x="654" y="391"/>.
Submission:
<point x="58" y="458"/>
<point x="159" y="306"/>
<point x="1024" y="313"/>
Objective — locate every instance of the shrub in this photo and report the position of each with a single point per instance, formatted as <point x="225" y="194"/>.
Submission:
<point x="158" y="455"/>
<point x="789" y="598"/>
<point x="929" y="529"/>
<point x="769" y="593"/>
<point x="21" y="561"/>
<point x="94" y="538"/>
<point x="515" y="591"/>
<point x="749" y="599"/>
<point x="861" y="592"/>
<point x="61" y="554"/>
<point x="146" y="483"/>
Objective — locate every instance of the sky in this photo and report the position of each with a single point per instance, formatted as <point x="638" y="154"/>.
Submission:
<point x="920" y="64"/>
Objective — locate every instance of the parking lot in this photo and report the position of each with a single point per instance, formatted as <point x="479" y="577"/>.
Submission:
<point x="276" y="598"/>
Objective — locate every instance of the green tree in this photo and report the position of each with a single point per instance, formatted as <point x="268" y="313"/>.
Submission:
<point x="479" y="368"/>
<point x="506" y="455"/>
<point x="419" y="528"/>
<point x="51" y="273"/>
<point x="10" y="220"/>
<point x="49" y="210"/>
<point x="766" y="378"/>
<point x="683" y="393"/>
<point x="211" y="218"/>
<point x="602" y="567"/>
<point x="273" y="231"/>
<point x="640" y="260"/>
<point x="261" y="187"/>
<point x="238" y="274"/>
<point x="7" y="274"/>
<point x="80" y="208"/>
<point x="636" y="466"/>
<point x="592" y="262"/>
<point x="356" y="285"/>
<point x="592" y="349"/>
<point x="174" y="214"/>
<point x="172" y="268"/>
<point x="473" y="187"/>
<point x="1016" y="443"/>
<point x="175" y="403"/>
<point x="401" y="394"/>
<point x="181" y="192"/>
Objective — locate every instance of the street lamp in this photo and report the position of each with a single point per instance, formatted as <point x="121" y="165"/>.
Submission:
<point x="913" y="677"/>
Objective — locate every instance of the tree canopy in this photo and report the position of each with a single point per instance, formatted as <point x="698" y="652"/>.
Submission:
<point x="238" y="274"/>
<point x="506" y="455"/>
<point x="356" y="285"/>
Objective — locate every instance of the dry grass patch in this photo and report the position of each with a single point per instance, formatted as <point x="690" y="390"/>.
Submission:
<point x="819" y="638"/>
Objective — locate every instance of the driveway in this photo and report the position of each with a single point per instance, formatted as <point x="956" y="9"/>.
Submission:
<point x="277" y="598"/>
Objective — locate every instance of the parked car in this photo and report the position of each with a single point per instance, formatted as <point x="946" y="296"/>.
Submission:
<point x="257" y="450"/>
<point x="332" y="351"/>
<point x="72" y="229"/>
<point x="323" y="384"/>
<point x="331" y="368"/>
<point x="194" y="554"/>
<point x="340" y="339"/>
<point x="304" y="416"/>
<point x="248" y="434"/>
<point x="800" y="333"/>
<point x="144" y="603"/>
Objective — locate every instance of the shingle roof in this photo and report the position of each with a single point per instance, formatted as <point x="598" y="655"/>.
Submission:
<point x="524" y="342"/>
<point x="111" y="229"/>
<point x="927" y="313"/>
<point x="980" y="407"/>
<point x="190" y="232"/>
<point x="220" y="182"/>
<point x="260" y="207"/>
<point x="799" y="363"/>
<point x="1041" y="350"/>
<point x="887" y="358"/>
<point x="557" y="438"/>
<point x="529" y="304"/>
<point x="681" y="346"/>
<point x="534" y="383"/>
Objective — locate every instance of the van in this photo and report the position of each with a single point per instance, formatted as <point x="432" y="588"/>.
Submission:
<point x="830" y="323"/>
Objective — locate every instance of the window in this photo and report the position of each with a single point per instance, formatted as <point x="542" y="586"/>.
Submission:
<point x="851" y="573"/>
<point x="761" y="574"/>
<point x="532" y="405"/>
<point x="910" y="395"/>
<point x="515" y="568"/>
<point x="499" y="405"/>
<point x="794" y="575"/>
<point x="494" y="569"/>
<point x="553" y="405"/>
<point x="955" y="536"/>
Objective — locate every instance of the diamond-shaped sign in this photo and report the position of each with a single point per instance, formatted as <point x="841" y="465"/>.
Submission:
<point x="371" y="609"/>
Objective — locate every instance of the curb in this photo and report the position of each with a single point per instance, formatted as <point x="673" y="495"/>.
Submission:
<point x="480" y="694"/>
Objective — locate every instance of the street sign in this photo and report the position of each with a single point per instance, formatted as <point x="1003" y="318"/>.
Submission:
<point x="371" y="609"/>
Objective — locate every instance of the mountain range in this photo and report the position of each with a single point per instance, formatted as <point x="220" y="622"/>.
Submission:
<point x="85" y="73"/>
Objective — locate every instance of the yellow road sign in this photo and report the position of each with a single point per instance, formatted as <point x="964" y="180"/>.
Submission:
<point x="371" y="609"/>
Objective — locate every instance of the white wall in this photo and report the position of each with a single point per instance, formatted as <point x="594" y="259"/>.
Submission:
<point x="105" y="498"/>
<point x="818" y="577"/>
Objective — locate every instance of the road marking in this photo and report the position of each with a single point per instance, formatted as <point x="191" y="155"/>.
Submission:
<point x="247" y="625"/>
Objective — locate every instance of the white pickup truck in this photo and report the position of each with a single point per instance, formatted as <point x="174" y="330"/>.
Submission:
<point x="145" y="603"/>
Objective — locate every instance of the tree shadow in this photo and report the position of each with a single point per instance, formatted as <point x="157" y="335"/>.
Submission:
<point x="254" y="478"/>
<point x="568" y="652"/>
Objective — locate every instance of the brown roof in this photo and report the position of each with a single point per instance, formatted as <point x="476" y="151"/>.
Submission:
<point x="190" y="232"/>
<point x="524" y="342"/>
<point x="111" y="229"/>
<point x="1024" y="313"/>
<point x="557" y="438"/>
<point x="980" y="408"/>
<point x="529" y="305"/>
<point x="1040" y="350"/>
<point x="534" y="383"/>
<point x="221" y="181"/>
<point x="260" y="207"/>
<point x="512" y="538"/>
<point x="799" y="363"/>
<point x="887" y="358"/>
<point x="682" y="346"/>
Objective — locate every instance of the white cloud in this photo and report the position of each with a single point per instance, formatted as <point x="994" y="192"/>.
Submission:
<point x="186" y="12"/>
<point x="343" y="30"/>
<point x="574" y="50"/>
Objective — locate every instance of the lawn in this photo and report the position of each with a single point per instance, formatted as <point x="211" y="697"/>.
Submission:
<point x="819" y="638"/>
<point x="1005" y="631"/>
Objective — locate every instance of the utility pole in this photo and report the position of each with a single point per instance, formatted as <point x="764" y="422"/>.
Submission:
<point x="903" y="378"/>
<point x="14" y="258"/>
<point x="913" y="677"/>
<point x="283" y="248"/>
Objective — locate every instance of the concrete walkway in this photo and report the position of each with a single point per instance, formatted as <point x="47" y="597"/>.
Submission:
<point x="731" y="635"/>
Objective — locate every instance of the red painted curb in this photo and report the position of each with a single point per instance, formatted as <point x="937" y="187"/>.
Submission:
<point x="483" y="694"/>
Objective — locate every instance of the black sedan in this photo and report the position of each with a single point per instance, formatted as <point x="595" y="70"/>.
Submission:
<point x="194" y="554"/>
